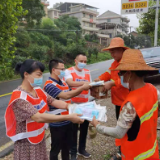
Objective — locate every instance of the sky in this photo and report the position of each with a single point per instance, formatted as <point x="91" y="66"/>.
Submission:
<point x="104" y="5"/>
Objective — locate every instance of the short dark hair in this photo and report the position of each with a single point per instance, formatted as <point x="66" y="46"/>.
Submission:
<point x="28" y="66"/>
<point x="81" y="54"/>
<point x="54" y="63"/>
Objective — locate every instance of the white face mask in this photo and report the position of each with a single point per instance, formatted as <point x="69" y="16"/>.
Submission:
<point x="124" y="84"/>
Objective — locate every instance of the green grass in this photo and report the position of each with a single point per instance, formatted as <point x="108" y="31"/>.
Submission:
<point x="107" y="156"/>
<point x="101" y="57"/>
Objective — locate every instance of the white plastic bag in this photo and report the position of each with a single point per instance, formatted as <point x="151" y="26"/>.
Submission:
<point x="89" y="110"/>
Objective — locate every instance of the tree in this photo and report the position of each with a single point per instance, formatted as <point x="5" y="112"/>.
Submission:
<point x="35" y="12"/>
<point x="48" y="23"/>
<point x="9" y="12"/>
<point x="147" y="22"/>
<point x="57" y="4"/>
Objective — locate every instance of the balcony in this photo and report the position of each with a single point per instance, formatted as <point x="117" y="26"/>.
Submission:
<point x="102" y="35"/>
<point x="90" y="28"/>
<point x="89" y="20"/>
<point x="89" y="11"/>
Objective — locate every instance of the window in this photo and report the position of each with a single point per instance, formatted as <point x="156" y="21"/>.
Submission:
<point x="110" y="35"/>
<point x="84" y="23"/>
<point x="84" y="15"/>
<point x="108" y="20"/>
<point x="91" y="16"/>
<point x="90" y="25"/>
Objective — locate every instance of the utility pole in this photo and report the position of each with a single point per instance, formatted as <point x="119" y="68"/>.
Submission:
<point x="156" y="24"/>
<point x="130" y="36"/>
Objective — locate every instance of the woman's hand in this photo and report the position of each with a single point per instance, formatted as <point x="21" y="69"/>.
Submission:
<point x="75" y="118"/>
<point x="94" y="122"/>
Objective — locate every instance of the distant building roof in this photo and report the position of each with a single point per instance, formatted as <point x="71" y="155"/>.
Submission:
<point x="109" y="14"/>
<point x="65" y="7"/>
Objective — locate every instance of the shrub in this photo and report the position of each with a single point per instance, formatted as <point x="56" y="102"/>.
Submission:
<point x="40" y="39"/>
<point x="22" y="39"/>
<point x="38" y="52"/>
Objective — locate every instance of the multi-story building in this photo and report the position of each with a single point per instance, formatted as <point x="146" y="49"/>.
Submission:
<point x="46" y="4"/>
<point x="53" y="13"/>
<point x="87" y="16"/>
<point x="113" y="24"/>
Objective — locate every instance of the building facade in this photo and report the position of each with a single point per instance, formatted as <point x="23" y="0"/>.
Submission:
<point x="113" y="24"/>
<point x="53" y="13"/>
<point x="86" y="15"/>
<point x="46" y="4"/>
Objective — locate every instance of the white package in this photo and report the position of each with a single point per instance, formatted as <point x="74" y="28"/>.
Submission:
<point x="99" y="83"/>
<point x="89" y="110"/>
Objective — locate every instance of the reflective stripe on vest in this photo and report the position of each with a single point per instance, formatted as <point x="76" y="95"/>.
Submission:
<point x="148" y="153"/>
<point x="83" y="96"/>
<point x="34" y="131"/>
<point x="148" y="115"/>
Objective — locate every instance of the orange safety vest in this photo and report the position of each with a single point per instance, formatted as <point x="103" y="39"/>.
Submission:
<point x="34" y="131"/>
<point x="145" y="102"/>
<point x="64" y="88"/>
<point x="84" y="95"/>
<point x="118" y="92"/>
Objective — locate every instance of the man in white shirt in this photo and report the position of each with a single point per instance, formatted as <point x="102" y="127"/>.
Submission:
<point x="75" y="77"/>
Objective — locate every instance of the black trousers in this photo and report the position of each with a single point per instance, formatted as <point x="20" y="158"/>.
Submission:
<point x="60" y="141"/>
<point x="82" y="137"/>
<point x="117" y="108"/>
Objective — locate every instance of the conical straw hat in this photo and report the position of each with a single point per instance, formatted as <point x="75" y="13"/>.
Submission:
<point x="132" y="60"/>
<point x="116" y="42"/>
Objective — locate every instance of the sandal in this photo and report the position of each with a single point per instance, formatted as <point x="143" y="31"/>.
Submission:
<point x="116" y="157"/>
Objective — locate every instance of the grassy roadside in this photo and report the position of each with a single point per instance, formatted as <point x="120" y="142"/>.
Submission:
<point x="93" y="59"/>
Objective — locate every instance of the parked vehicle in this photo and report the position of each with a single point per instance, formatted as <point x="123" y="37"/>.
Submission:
<point x="152" y="58"/>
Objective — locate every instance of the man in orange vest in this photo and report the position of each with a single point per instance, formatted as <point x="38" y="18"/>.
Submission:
<point x="75" y="77"/>
<point x="57" y="88"/>
<point x="118" y="92"/>
<point x="137" y="123"/>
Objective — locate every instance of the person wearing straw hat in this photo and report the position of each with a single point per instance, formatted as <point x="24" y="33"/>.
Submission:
<point x="137" y="123"/>
<point x="118" y="92"/>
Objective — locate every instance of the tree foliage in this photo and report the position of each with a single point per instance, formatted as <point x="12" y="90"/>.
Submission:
<point x="9" y="12"/>
<point x="147" y="22"/>
<point x="141" y="41"/>
<point x="35" y="12"/>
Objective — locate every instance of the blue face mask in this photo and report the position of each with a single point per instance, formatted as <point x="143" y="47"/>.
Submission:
<point x="125" y="85"/>
<point x="62" y="74"/>
<point x="81" y="65"/>
<point x="37" y="82"/>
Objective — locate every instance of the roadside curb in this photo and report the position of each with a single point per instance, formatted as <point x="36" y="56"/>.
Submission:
<point x="6" y="151"/>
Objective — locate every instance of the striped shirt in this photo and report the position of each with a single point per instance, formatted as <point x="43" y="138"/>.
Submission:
<point x="54" y="91"/>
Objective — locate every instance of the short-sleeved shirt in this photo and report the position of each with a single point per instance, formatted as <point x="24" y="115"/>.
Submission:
<point x="54" y="91"/>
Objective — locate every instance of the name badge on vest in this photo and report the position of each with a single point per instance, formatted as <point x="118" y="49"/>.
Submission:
<point x="40" y="106"/>
<point x="80" y="80"/>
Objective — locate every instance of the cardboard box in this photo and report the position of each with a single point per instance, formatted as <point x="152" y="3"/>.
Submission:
<point x="98" y="93"/>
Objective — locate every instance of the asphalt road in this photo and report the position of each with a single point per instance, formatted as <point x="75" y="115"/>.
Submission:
<point x="7" y="87"/>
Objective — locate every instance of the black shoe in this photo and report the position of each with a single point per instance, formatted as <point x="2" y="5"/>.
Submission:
<point x="73" y="157"/>
<point x="84" y="153"/>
